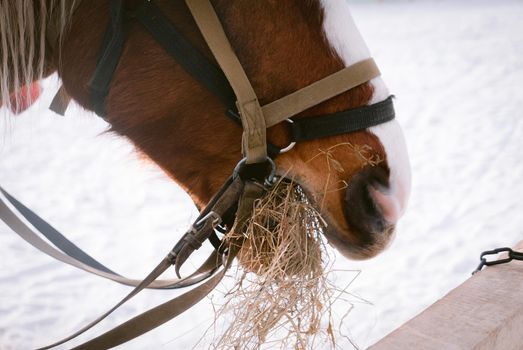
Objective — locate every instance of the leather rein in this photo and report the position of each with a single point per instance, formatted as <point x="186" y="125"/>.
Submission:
<point x="232" y="206"/>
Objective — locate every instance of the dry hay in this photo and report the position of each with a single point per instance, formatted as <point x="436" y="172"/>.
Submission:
<point x="283" y="295"/>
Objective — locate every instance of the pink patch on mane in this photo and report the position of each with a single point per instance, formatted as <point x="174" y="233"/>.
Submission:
<point x="25" y="97"/>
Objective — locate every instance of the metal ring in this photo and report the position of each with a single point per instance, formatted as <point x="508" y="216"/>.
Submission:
<point x="290" y="145"/>
<point x="269" y="178"/>
<point x="238" y="166"/>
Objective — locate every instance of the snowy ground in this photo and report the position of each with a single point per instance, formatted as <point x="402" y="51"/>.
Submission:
<point x="457" y="70"/>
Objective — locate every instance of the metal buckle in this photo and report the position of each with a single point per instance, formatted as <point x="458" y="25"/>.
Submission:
<point x="290" y="145"/>
<point x="216" y="219"/>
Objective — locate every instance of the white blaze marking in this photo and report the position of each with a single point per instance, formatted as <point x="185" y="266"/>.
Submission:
<point x="346" y="40"/>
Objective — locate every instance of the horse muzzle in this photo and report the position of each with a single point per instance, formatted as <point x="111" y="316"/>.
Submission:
<point x="371" y="210"/>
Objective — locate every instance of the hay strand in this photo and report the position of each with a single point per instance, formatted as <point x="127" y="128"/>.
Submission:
<point x="283" y="295"/>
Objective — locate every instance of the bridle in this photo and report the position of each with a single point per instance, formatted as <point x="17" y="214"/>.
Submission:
<point x="233" y="204"/>
<point x="229" y="83"/>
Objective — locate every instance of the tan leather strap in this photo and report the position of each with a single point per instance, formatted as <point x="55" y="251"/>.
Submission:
<point x="220" y="203"/>
<point x="255" y="119"/>
<point x="168" y="310"/>
<point x="225" y="198"/>
<point x="60" y="101"/>
<point x="156" y="316"/>
<point x="251" y="192"/>
<point x="196" y="236"/>
<point x="213" y="262"/>
<point x="254" y="129"/>
<point x="53" y="34"/>
<point x="320" y="91"/>
<point x="25" y="231"/>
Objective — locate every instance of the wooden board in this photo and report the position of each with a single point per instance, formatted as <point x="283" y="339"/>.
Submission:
<point x="484" y="313"/>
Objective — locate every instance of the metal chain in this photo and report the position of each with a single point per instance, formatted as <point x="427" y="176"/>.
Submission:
<point x="512" y="255"/>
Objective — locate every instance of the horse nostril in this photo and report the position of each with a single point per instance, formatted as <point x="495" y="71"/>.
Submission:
<point x="365" y="214"/>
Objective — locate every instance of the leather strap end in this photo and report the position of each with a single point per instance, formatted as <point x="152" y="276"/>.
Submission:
<point x="60" y="101"/>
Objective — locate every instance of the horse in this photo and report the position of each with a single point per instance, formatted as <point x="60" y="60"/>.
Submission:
<point x="359" y="181"/>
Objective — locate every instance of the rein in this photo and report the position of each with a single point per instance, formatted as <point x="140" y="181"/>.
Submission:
<point x="232" y="206"/>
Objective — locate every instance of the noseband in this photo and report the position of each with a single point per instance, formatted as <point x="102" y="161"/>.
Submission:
<point x="233" y="204"/>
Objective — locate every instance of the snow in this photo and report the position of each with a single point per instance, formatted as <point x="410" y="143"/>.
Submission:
<point x="456" y="69"/>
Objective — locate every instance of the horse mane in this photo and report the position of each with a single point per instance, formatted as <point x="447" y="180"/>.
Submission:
<point x="25" y="28"/>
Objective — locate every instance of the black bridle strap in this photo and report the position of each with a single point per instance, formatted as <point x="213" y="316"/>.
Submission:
<point x="169" y="37"/>
<point x="191" y="59"/>
<point x="184" y="52"/>
<point x="342" y="122"/>
<point x="111" y="51"/>
<point x="53" y="235"/>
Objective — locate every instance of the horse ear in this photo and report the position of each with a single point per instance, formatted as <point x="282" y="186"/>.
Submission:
<point x="25" y="97"/>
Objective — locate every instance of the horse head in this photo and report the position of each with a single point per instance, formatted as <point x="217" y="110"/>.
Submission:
<point x="360" y="181"/>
